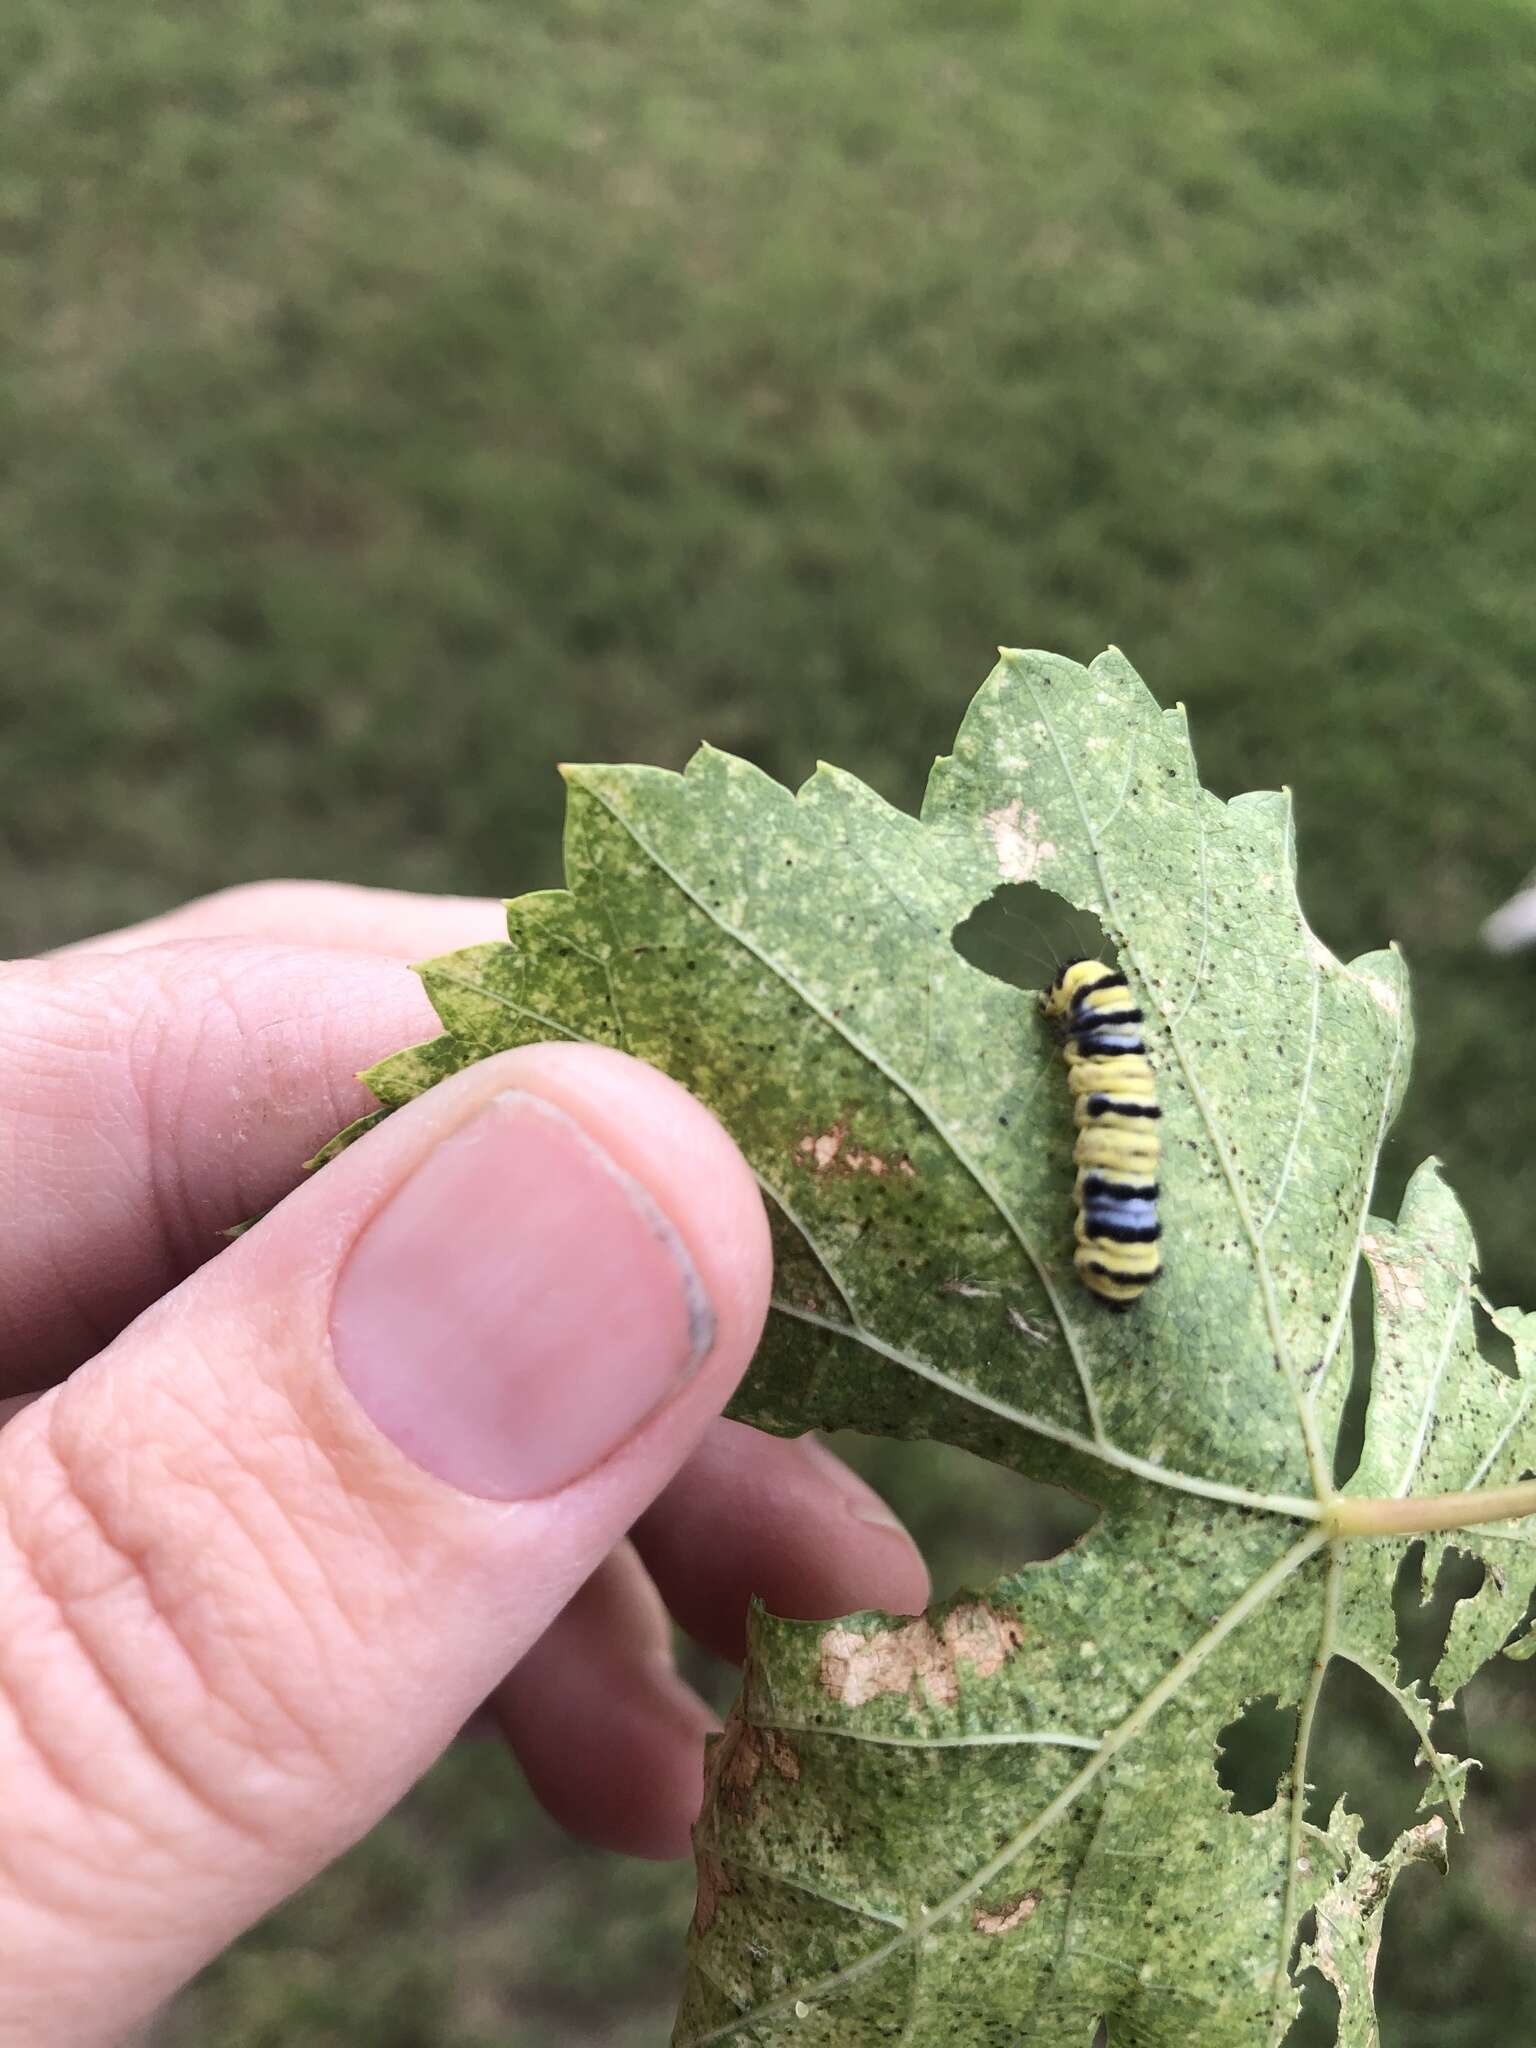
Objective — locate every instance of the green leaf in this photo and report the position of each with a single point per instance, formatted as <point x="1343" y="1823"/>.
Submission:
<point x="1002" y="1822"/>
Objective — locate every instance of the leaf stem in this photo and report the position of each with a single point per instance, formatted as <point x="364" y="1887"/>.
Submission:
<point x="1422" y="1514"/>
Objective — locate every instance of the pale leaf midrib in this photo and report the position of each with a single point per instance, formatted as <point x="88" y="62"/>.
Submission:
<point x="1297" y="1506"/>
<point x="1432" y="1391"/>
<point x="1043" y="1738"/>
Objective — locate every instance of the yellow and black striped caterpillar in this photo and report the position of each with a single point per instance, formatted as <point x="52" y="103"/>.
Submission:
<point x="1114" y="1095"/>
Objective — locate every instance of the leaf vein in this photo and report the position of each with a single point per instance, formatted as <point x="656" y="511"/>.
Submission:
<point x="1125" y="787"/>
<point x="1297" y="1506"/>
<point x="488" y="994"/>
<point x="1431" y="1392"/>
<point x="1044" y="1738"/>
<point x="1301" y="1109"/>
<point x="1503" y="1437"/>
<point x="813" y="1891"/>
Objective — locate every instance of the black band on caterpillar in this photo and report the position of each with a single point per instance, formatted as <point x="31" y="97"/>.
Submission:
<point x="1097" y="1020"/>
<point x="1111" y="980"/>
<point x="1118" y="1190"/>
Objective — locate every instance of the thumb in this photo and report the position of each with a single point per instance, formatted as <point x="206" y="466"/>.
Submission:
<point x="260" y="1559"/>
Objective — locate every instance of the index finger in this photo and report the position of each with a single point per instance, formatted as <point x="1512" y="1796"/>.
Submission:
<point x="152" y="1098"/>
<point x="335" y="916"/>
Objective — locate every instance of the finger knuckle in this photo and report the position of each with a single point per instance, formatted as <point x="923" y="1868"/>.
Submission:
<point x="147" y="1667"/>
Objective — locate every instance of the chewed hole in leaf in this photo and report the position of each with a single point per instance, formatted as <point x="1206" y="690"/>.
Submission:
<point x="1424" y="1616"/>
<point x="1408" y="1609"/>
<point x="1317" y="2024"/>
<point x="1494" y="1344"/>
<point x="1445" y="1984"/>
<point x="1253" y="1753"/>
<point x="1364" y="1752"/>
<point x="1009" y="1520"/>
<point x="1022" y="933"/>
<point x="1524" y="1632"/>
<point x="1362" y="1328"/>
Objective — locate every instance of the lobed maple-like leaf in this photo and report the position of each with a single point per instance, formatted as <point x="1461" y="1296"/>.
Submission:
<point x="1002" y="1823"/>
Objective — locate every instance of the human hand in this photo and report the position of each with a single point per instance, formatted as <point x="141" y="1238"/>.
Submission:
<point x="296" y="1512"/>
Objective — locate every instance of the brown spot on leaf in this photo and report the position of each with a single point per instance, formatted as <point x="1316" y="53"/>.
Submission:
<point x="715" y="1883"/>
<point x="917" y="1658"/>
<point x="736" y="1758"/>
<point x="1004" y="1919"/>
<point x="732" y="1765"/>
<point x="780" y="1754"/>
<point x="740" y="1772"/>
<point x="1397" y="1282"/>
<point x="824" y="1151"/>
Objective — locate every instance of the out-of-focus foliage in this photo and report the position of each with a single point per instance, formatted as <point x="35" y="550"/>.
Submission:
<point x="396" y="400"/>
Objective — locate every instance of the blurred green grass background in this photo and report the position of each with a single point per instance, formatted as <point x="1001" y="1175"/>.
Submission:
<point x="397" y="400"/>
